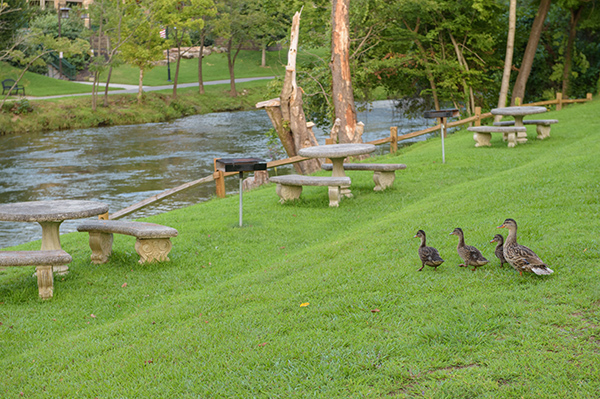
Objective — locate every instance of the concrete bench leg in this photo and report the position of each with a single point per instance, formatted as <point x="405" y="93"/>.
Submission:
<point x="101" y="246"/>
<point x="287" y="193"/>
<point x="45" y="281"/>
<point x="482" y="139"/>
<point x="543" y="131"/>
<point x="512" y="140"/>
<point x="383" y="180"/>
<point x="334" y="196"/>
<point x="521" y="137"/>
<point x="153" y="249"/>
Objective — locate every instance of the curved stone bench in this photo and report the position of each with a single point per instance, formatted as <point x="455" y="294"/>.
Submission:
<point x="289" y="187"/>
<point x="44" y="260"/>
<point x="384" y="174"/>
<point x="483" y="134"/>
<point x="153" y="241"/>
<point x="542" y="126"/>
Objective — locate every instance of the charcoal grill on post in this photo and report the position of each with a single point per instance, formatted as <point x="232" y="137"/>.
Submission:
<point x="443" y="114"/>
<point x="241" y="165"/>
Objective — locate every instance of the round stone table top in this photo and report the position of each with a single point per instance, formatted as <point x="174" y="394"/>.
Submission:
<point x="512" y="111"/>
<point x="336" y="150"/>
<point x="50" y="211"/>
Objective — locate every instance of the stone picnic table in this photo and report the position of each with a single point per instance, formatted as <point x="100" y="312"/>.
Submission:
<point x="518" y="113"/>
<point x="337" y="153"/>
<point x="50" y="215"/>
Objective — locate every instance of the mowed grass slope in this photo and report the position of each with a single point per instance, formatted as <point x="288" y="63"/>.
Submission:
<point x="224" y="318"/>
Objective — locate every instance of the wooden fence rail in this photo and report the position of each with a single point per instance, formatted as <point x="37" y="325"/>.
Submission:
<point x="219" y="177"/>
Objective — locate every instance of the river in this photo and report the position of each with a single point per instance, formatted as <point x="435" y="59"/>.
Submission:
<point x="121" y="165"/>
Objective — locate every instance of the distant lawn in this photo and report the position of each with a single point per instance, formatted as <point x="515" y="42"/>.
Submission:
<point x="311" y="301"/>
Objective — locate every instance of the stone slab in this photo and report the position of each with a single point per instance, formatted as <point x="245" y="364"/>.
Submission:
<point x="51" y="211"/>
<point x="497" y="129"/>
<point x="520" y="110"/>
<point x="34" y="258"/>
<point x="376" y="167"/>
<point x="299" y="180"/>
<point x="137" y="229"/>
<point x="336" y="150"/>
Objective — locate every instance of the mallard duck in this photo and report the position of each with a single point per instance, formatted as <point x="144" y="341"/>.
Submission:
<point x="429" y="255"/>
<point x="499" y="251"/>
<point x="470" y="255"/>
<point x="519" y="256"/>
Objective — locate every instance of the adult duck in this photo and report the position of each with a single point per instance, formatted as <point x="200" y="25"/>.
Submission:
<point x="519" y="256"/>
<point x="429" y="255"/>
<point x="470" y="255"/>
<point x="499" y="251"/>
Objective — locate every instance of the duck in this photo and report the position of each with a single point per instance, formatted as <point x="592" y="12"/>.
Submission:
<point x="470" y="255"/>
<point x="521" y="258"/>
<point x="499" y="251"/>
<point x="429" y="255"/>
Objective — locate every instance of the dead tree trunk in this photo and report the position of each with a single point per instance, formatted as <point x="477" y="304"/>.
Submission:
<point x="343" y="97"/>
<point x="286" y="113"/>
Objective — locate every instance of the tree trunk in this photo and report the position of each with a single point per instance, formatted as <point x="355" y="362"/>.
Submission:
<point x="177" y="70"/>
<point x="575" y="15"/>
<point x="343" y="97"/>
<point x="106" y="86"/>
<point x="510" y="46"/>
<point x="200" y="59"/>
<point x="231" y="65"/>
<point x="468" y="90"/>
<point x="529" y="55"/>
<point x="140" y="86"/>
<point x="287" y="114"/>
<point x="263" y="59"/>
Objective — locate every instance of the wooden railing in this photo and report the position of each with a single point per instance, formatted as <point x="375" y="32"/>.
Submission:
<point x="219" y="177"/>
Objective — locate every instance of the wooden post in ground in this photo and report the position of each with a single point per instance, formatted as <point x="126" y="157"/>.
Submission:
<point x="558" y="101"/>
<point x="478" y="116"/>
<point x="104" y="216"/>
<point x="219" y="181"/>
<point x="588" y="97"/>
<point x="394" y="137"/>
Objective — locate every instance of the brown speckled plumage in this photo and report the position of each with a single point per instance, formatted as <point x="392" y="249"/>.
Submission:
<point x="499" y="251"/>
<point x="470" y="255"/>
<point x="519" y="256"/>
<point x="429" y="256"/>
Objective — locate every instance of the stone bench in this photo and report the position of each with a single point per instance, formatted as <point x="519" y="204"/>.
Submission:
<point x="289" y="187"/>
<point x="542" y="126"/>
<point x="44" y="260"/>
<point x="153" y="241"/>
<point x="483" y="134"/>
<point x="384" y="174"/>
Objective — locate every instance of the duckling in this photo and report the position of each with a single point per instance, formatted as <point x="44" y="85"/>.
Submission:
<point x="429" y="255"/>
<point x="499" y="251"/>
<point x="519" y="256"/>
<point x="470" y="255"/>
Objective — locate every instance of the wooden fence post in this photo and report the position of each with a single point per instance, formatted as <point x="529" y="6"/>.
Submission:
<point x="219" y="181"/>
<point x="394" y="137"/>
<point x="478" y="115"/>
<point x="104" y="216"/>
<point x="558" y="101"/>
<point x="588" y="97"/>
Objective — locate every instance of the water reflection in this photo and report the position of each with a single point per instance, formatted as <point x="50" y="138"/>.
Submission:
<point x="122" y="165"/>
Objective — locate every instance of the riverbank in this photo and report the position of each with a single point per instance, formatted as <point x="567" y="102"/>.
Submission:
<point x="23" y="116"/>
<point x="328" y="301"/>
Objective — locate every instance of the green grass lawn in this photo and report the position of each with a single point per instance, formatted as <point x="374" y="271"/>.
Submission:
<point x="223" y="318"/>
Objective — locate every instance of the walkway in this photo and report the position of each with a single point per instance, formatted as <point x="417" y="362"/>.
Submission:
<point x="133" y="89"/>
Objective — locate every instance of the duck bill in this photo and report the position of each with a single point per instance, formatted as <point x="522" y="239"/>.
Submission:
<point x="501" y="227"/>
<point x="492" y="241"/>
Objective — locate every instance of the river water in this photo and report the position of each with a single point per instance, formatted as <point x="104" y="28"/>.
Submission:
<point x="122" y="165"/>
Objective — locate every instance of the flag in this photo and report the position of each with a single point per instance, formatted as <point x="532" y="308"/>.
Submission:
<point x="163" y="33"/>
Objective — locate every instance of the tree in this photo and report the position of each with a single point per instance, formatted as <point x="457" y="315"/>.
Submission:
<point x="144" y="47"/>
<point x="180" y="17"/>
<point x="529" y="55"/>
<point x="510" y="45"/>
<point x="343" y="96"/>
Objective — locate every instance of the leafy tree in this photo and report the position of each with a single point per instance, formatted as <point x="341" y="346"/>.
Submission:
<point x="14" y="15"/>
<point x="180" y="17"/>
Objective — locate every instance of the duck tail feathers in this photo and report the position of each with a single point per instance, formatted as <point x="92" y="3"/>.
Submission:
<point x="540" y="271"/>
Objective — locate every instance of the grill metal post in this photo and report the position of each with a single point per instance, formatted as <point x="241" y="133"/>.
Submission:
<point x="241" y="202"/>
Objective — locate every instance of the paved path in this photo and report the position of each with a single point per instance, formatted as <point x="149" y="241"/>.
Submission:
<point x="133" y="89"/>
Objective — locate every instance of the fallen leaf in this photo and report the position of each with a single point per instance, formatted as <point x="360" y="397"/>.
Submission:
<point x="302" y="305"/>
<point x="93" y="316"/>
<point x="374" y="310"/>
<point x="263" y="344"/>
<point x="124" y="285"/>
